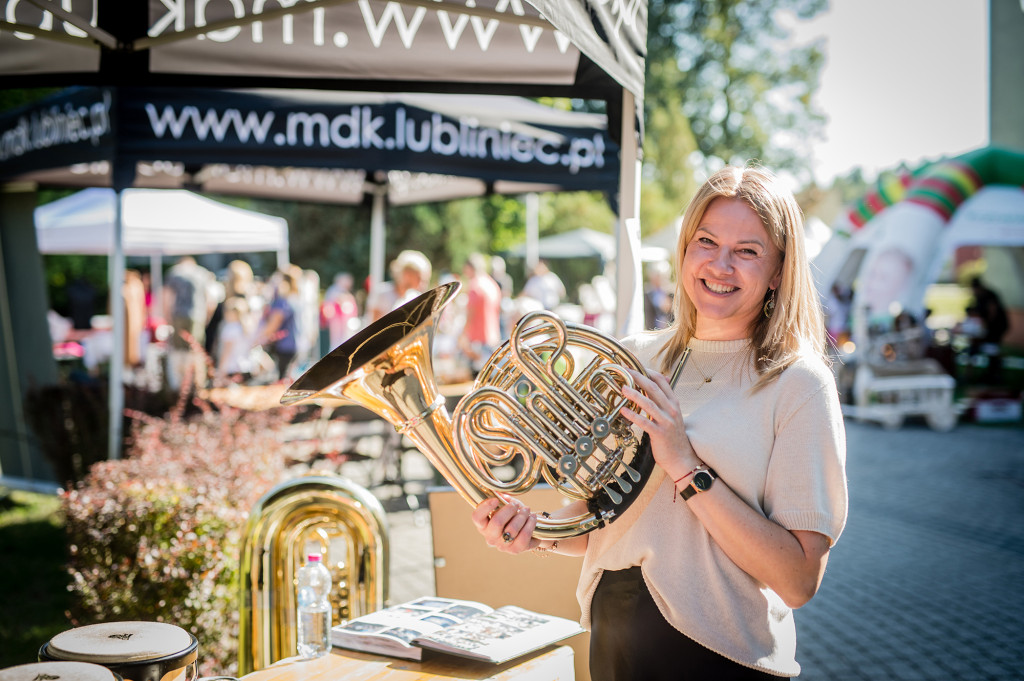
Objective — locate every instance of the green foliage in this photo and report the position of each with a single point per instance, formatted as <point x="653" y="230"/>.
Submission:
<point x="668" y="178"/>
<point x="746" y="94"/>
<point x="33" y="584"/>
<point x="507" y="219"/>
<point x="70" y="422"/>
<point x="12" y="99"/>
<point x="157" y="535"/>
<point x="61" y="270"/>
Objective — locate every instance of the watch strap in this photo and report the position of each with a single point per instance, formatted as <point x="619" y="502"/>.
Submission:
<point x="692" y="489"/>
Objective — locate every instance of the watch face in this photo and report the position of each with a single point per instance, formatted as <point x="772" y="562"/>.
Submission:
<point x="702" y="480"/>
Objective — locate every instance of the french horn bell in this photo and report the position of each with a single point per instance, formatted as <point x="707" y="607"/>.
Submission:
<point x="545" y="406"/>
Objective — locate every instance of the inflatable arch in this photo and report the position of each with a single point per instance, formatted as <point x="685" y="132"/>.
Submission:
<point x="893" y="241"/>
<point x="892" y="244"/>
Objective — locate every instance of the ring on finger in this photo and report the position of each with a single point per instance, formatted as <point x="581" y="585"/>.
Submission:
<point x="507" y="537"/>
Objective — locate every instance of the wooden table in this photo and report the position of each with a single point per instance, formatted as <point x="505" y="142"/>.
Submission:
<point x="553" y="663"/>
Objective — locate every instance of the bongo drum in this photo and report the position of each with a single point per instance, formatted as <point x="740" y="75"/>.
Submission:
<point x="58" y="671"/>
<point x="137" y="651"/>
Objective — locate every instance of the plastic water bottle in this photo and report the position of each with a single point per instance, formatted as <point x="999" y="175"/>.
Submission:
<point x="314" y="639"/>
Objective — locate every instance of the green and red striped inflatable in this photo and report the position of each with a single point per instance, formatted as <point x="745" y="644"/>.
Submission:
<point x="942" y="186"/>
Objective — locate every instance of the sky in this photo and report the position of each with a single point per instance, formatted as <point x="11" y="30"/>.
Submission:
<point x="904" y="80"/>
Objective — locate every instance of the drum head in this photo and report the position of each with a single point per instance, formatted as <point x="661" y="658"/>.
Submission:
<point x="62" y="671"/>
<point x="119" y="642"/>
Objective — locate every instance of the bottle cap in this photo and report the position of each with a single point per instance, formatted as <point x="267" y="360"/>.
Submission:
<point x="313" y="558"/>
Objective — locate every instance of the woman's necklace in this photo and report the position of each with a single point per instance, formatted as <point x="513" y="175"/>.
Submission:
<point x="707" y="378"/>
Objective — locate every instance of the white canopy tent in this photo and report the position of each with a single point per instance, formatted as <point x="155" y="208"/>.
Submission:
<point x="153" y="222"/>
<point x="157" y="222"/>
<point x="585" y="243"/>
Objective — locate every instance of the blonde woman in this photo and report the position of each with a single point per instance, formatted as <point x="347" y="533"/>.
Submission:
<point x="700" y="576"/>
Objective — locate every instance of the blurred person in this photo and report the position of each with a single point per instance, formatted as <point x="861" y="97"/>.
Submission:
<point x="239" y="282"/>
<point x="699" y="577"/>
<point x="482" y="331"/>
<point x="837" y="312"/>
<point x="544" y="286"/>
<point x="235" y="341"/>
<point x="590" y="303"/>
<point x="339" y="312"/>
<point x="451" y="362"/>
<point x="186" y="308"/>
<point x="658" y="296"/>
<point x="994" y="325"/>
<point x="82" y="302"/>
<point x="989" y="305"/>
<point x="521" y="306"/>
<point x="306" y="303"/>
<point x="134" y="318"/>
<point x="410" y="276"/>
<point x="278" y="331"/>
<point x="606" y="299"/>
<point x="154" y="318"/>
<point x="499" y="272"/>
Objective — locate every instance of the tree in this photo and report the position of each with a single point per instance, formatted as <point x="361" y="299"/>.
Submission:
<point x="746" y="94"/>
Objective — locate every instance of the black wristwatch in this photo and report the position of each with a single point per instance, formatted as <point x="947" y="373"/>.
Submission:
<point x="703" y="478"/>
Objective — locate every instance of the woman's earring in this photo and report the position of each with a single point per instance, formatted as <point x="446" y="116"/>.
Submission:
<point x="769" y="305"/>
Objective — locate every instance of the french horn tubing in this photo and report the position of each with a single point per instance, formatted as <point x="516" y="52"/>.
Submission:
<point x="545" y="406"/>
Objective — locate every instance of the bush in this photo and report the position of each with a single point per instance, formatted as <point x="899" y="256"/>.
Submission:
<point x="156" y="536"/>
<point x="70" y="423"/>
<point x="71" y="419"/>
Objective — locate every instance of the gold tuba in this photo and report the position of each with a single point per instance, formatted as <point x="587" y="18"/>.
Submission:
<point x="328" y="515"/>
<point x="545" y="406"/>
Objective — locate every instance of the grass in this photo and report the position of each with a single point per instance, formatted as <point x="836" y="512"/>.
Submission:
<point x="33" y="580"/>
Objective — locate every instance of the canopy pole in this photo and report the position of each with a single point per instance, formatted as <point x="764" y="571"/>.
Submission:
<point x="532" y="232"/>
<point x="156" y="280"/>
<point x="14" y="375"/>
<point x="115" y="271"/>
<point x="629" y="308"/>
<point x="377" y="236"/>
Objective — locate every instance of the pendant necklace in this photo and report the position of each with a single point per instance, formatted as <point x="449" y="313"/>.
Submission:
<point x="707" y="379"/>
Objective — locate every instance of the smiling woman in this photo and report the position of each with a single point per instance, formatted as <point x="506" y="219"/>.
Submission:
<point x="749" y="492"/>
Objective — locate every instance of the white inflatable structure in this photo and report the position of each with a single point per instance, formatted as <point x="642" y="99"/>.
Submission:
<point x="896" y="242"/>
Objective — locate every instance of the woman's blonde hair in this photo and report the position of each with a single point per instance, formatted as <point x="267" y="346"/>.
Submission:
<point x="796" y="325"/>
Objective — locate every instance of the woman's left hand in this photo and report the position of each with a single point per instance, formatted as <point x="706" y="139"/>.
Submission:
<point x="663" y="422"/>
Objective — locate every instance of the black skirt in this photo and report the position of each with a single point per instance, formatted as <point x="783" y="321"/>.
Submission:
<point x="630" y="640"/>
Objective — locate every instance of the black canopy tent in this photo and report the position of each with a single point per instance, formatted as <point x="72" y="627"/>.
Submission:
<point x="589" y="49"/>
<point x="325" y="146"/>
<point x="574" y="48"/>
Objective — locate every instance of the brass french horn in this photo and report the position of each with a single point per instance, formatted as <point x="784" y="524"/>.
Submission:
<point x="545" y="406"/>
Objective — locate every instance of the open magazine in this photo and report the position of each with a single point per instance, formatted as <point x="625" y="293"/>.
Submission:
<point x="464" y="628"/>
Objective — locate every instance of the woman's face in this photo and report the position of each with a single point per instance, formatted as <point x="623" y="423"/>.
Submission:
<point x="729" y="265"/>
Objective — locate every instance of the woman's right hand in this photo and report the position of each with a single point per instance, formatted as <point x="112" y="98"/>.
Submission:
<point x="506" y="524"/>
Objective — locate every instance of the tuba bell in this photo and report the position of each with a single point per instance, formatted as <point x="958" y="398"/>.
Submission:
<point x="322" y="514"/>
<point x="544" y="406"/>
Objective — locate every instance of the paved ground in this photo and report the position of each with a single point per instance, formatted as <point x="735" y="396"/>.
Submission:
<point x="926" y="583"/>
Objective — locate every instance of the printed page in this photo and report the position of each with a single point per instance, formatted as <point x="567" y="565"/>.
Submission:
<point x="391" y="631"/>
<point x="501" y="635"/>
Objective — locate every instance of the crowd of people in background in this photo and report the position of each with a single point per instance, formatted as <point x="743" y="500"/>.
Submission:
<point x="258" y="331"/>
<point x="236" y="327"/>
